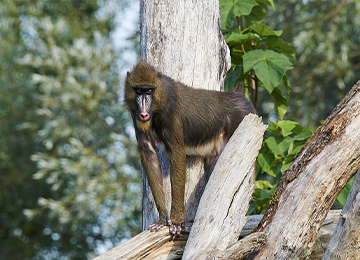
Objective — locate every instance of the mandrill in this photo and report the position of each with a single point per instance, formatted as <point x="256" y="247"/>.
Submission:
<point x="187" y="121"/>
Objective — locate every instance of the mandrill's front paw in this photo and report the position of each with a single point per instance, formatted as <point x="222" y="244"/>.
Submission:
<point x="159" y="224"/>
<point x="156" y="226"/>
<point x="175" y="229"/>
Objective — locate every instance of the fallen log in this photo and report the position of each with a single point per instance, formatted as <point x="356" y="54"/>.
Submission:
<point x="160" y="245"/>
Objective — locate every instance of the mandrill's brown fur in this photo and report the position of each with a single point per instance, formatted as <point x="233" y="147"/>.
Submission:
<point x="187" y="121"/>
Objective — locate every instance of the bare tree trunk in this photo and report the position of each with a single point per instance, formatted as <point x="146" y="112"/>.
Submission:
<point x="221" y="213"/>
<point x="183" y="40"/>
<point x="310" y="186"/>
<point x="345" y="242"/>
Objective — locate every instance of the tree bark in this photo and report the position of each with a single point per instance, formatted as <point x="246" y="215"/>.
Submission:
<point x="221" y="213"/>
<point x="345" y="242"/>
<point x="183" y="40"/>
<point x="310" y="186"/>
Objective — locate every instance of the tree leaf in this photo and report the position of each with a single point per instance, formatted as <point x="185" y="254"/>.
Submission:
<point x="280" y="102"/>
<point x="274" y="42"/>
<point x="264" y="30"/>
<point x="265" y="161"/>
<point x="303" y="136"/>
<point x="345" y="192"/>
<point x="286" y="84"/>
<point x="278" y="145"/>
<point x="236" y="37"/>
<point x="232" y="8"/>
<point x="267" y="2"/>
<point x="257" y="14"/>
<point x="286" y="127"/>
<point x="289" y="159"/>
<point x="269" y="66"/>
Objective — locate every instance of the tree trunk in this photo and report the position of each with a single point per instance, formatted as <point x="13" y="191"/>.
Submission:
<point x="218" y="224"/>
<point x="183" y="40"/>
<point x="345" y="242"/>
<point x="310" y="186"/>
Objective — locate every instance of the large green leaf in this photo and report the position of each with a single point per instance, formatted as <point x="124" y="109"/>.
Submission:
<point x="236" y="37"/>
<point x="278" y="145"/>
<point x="274" y="42"/>
<point x="267" y="2"/>
<point x="289" y="159"/>
<point x="303" y="136"/>
<point x="257" y="14"/>
<point x="269" y="66"/>
<point x="264" y="30"/>
<point x="286" y="127"/>
<point x="266" y="162"/>
<point x="232" y="8"/>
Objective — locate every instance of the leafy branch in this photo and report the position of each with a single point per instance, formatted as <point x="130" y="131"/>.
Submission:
<point x="261" y="59"/>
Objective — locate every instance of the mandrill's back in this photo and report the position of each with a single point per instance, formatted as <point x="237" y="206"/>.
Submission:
<point x="208" y="111"/>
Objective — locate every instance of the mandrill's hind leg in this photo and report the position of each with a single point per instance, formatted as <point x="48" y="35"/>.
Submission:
<point x="211" y="160"/>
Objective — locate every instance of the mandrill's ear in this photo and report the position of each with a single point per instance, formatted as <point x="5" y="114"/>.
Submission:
<point x="128" y="73"/>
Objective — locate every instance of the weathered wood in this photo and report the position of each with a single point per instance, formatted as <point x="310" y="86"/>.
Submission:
<point x="324" y="234"/>
<point x="147" y="245"/>
<point x="310" y="186"/>
<point x="183" y="40"/>
<point x="221" y="213"/>
<point x="345" y="242"/>
<point x="244" y="246"/>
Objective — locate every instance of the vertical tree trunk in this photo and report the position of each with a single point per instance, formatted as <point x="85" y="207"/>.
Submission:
<point x="183" y="40"/>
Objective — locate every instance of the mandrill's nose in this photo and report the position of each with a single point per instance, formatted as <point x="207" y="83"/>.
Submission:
<point x="144" y="117"/>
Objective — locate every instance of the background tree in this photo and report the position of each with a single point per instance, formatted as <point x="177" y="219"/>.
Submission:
<point x="325" y="38"/>
<point x="67" y="160"/>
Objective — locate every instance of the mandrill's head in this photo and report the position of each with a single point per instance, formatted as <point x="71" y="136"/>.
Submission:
<point x="142" y="93"/>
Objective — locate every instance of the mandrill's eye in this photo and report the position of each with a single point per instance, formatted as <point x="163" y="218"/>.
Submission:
<point x="138" y="91"/>
<point x="149" y="91"/>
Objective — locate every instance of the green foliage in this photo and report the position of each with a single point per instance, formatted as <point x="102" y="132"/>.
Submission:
<point x="233" y="8"/>
<point x="260" y="60"/>
<point x="345" y="192"/>
<point x="259" y="57"/>
<point x="255" y="63"/>
<point x="270" y="67"/>
<point x="283" y="139"/>
<point x="261" y="196"/>
<point x="68" y="163"/>
<point x="325" y="38"/>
